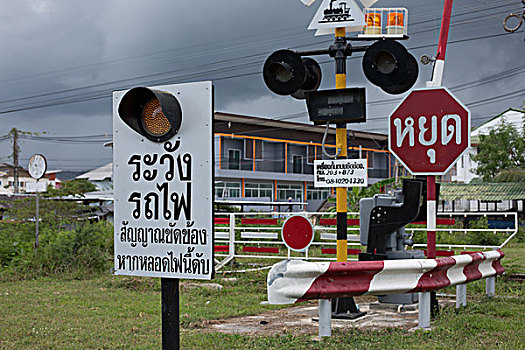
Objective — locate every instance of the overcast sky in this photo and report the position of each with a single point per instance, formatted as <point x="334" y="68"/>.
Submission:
<point x="60" y="61"/>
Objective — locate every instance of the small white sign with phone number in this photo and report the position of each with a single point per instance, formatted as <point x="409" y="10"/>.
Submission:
<point x="341" y="173"/>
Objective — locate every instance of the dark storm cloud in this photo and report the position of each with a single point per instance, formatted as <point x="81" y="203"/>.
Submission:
<point x="86" y="49"/>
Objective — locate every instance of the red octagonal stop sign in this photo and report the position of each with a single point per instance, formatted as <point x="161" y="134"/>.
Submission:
<point x="429" y="131"/>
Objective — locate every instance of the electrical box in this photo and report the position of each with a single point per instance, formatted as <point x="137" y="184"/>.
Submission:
<point x="336" y="106"/>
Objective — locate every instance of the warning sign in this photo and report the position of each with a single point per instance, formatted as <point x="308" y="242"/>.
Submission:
<point x="337" y="14"/>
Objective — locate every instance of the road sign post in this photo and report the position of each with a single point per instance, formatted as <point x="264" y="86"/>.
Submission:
<point x="163" y="169"/>
<point x="428" y="132"/>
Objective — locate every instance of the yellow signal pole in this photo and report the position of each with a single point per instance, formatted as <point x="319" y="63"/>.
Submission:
<point x="341" y="146"/>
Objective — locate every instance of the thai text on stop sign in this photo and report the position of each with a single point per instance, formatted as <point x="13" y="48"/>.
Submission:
<point x="428" y="135"/>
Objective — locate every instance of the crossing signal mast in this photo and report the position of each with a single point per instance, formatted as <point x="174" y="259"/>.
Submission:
<point x="386" y="63"/>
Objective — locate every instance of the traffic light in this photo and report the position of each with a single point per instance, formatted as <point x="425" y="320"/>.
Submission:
<point x="286" y="73"/>
<point x="389" y="65"/>
<point x="155" y="114"/>
<point x="386" y="63"/>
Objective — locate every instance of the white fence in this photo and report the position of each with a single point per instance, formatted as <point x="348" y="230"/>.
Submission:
<point x="256" y="235"/>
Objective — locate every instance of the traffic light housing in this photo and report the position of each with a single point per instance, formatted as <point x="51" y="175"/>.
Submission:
<point x="389" y="65"/>
<point x="154" y="114"/>
<point x="286" y="73"/>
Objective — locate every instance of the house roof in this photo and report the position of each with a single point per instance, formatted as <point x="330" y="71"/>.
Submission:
<point x="99" y="174"/>
<point x="8" y="170"/>
<point x="512" y="116"/>
<point x="490" y="192"/>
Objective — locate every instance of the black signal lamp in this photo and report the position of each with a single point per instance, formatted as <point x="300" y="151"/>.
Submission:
<point x="389" y="65"/>
<point x="312" y="78"/>
<point x="286" y="73"/>
<point x="155" y="114"/>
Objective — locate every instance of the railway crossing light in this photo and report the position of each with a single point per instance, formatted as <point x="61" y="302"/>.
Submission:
<point x="154" y="114"/>
<point x="286" y="73"/>
<point x="389" y="65"/>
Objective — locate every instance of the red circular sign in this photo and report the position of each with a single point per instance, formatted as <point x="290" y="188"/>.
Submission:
<point x="429" y="131"/>
<point x="298" y="233"/>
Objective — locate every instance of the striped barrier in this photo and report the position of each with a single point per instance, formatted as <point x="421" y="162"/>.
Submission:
<point x="291" y="281"/>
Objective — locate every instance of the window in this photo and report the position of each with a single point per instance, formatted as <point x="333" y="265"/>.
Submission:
<point x="248" y="149"/>
<point x="313" y="193"/>
<point x="227" y="189"/>
<point x="234" y="159"/>
<point x="258" y="190"/>
<point x="290" y="191"/>
<point x="297" y="164"/>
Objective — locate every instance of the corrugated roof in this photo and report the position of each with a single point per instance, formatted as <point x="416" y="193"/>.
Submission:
<point x="99" y="174"/>
<point x="483" y="191"/>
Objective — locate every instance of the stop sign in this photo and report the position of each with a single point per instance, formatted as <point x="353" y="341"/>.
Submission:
<point x="429" y="131"/>
<point x="297" y="233"/>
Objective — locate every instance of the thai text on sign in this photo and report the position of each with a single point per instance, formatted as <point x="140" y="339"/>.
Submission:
<point x="340" y="173"/>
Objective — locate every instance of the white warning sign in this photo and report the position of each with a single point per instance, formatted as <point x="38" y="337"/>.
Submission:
<point x="337" y="14"/>
<point x="340" y="173"/>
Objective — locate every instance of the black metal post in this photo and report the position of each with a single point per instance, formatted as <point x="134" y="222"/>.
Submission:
<point x="170" y="313"/>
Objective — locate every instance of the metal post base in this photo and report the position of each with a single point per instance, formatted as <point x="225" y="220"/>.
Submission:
<point x="490" y="286"/>
<point x="461" y="295"/>
<point x="424" y="310"/>
<point x="345" y="309"/>
<point x="325" y="317"/>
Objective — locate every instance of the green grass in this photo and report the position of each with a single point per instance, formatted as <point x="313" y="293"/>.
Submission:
<point x="110" y="312"/>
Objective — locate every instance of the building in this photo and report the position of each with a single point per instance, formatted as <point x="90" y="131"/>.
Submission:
<point x="26" y="183"/>
<point x="465" y="169"/>
<point x="258" y="159"/>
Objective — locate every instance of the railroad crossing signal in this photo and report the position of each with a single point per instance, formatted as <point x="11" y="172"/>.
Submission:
<point x="163" y="170"/>
<point x="429" y="131"/>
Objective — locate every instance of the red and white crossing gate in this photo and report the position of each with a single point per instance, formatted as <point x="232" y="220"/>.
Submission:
<point x="291" y="281"/>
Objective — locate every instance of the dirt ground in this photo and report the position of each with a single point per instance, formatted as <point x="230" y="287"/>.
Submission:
<point x="303" y="319"/>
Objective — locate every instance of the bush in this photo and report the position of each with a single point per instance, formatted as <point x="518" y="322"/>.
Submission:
<point x="481" y="237"/>
<point x="86" y="249"/>
<point x="457" y="237"/>
<point x="520" y="236"/>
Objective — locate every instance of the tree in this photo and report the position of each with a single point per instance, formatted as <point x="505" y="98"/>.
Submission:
<point x="510" y="175"/>
<point x="76" y="187"/>
<point x="502" y="149"/>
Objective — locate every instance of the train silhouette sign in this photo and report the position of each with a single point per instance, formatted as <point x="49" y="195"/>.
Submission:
<point x="337" y="14"/>
<point x="429" y="131"/>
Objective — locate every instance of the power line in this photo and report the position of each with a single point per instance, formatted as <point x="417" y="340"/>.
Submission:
<point x="185" y="69"/>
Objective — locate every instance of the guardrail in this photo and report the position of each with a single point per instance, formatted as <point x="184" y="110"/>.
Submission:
<point x="290" y="281"/>
<point x="256" y="235"/>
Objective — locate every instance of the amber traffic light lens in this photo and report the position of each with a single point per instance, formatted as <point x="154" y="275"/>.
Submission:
<point x="153" y="119"/>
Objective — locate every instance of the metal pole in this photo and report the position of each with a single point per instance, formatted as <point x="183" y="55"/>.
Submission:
<point x="424" y="310"/>
<point x="437" y="77"/>
<point x="439" y="65"/>
<point x="325" y="317"/>
<point x="37" y="216"/>
<point x="340" y="140"/>
<point x="461" y="295"/>
<point x="490" y="286"/>
<point x="170" y="313"/>
<point x="431" y="217"/>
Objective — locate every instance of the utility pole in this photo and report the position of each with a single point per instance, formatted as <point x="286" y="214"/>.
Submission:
<point x="14" y="133"/>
